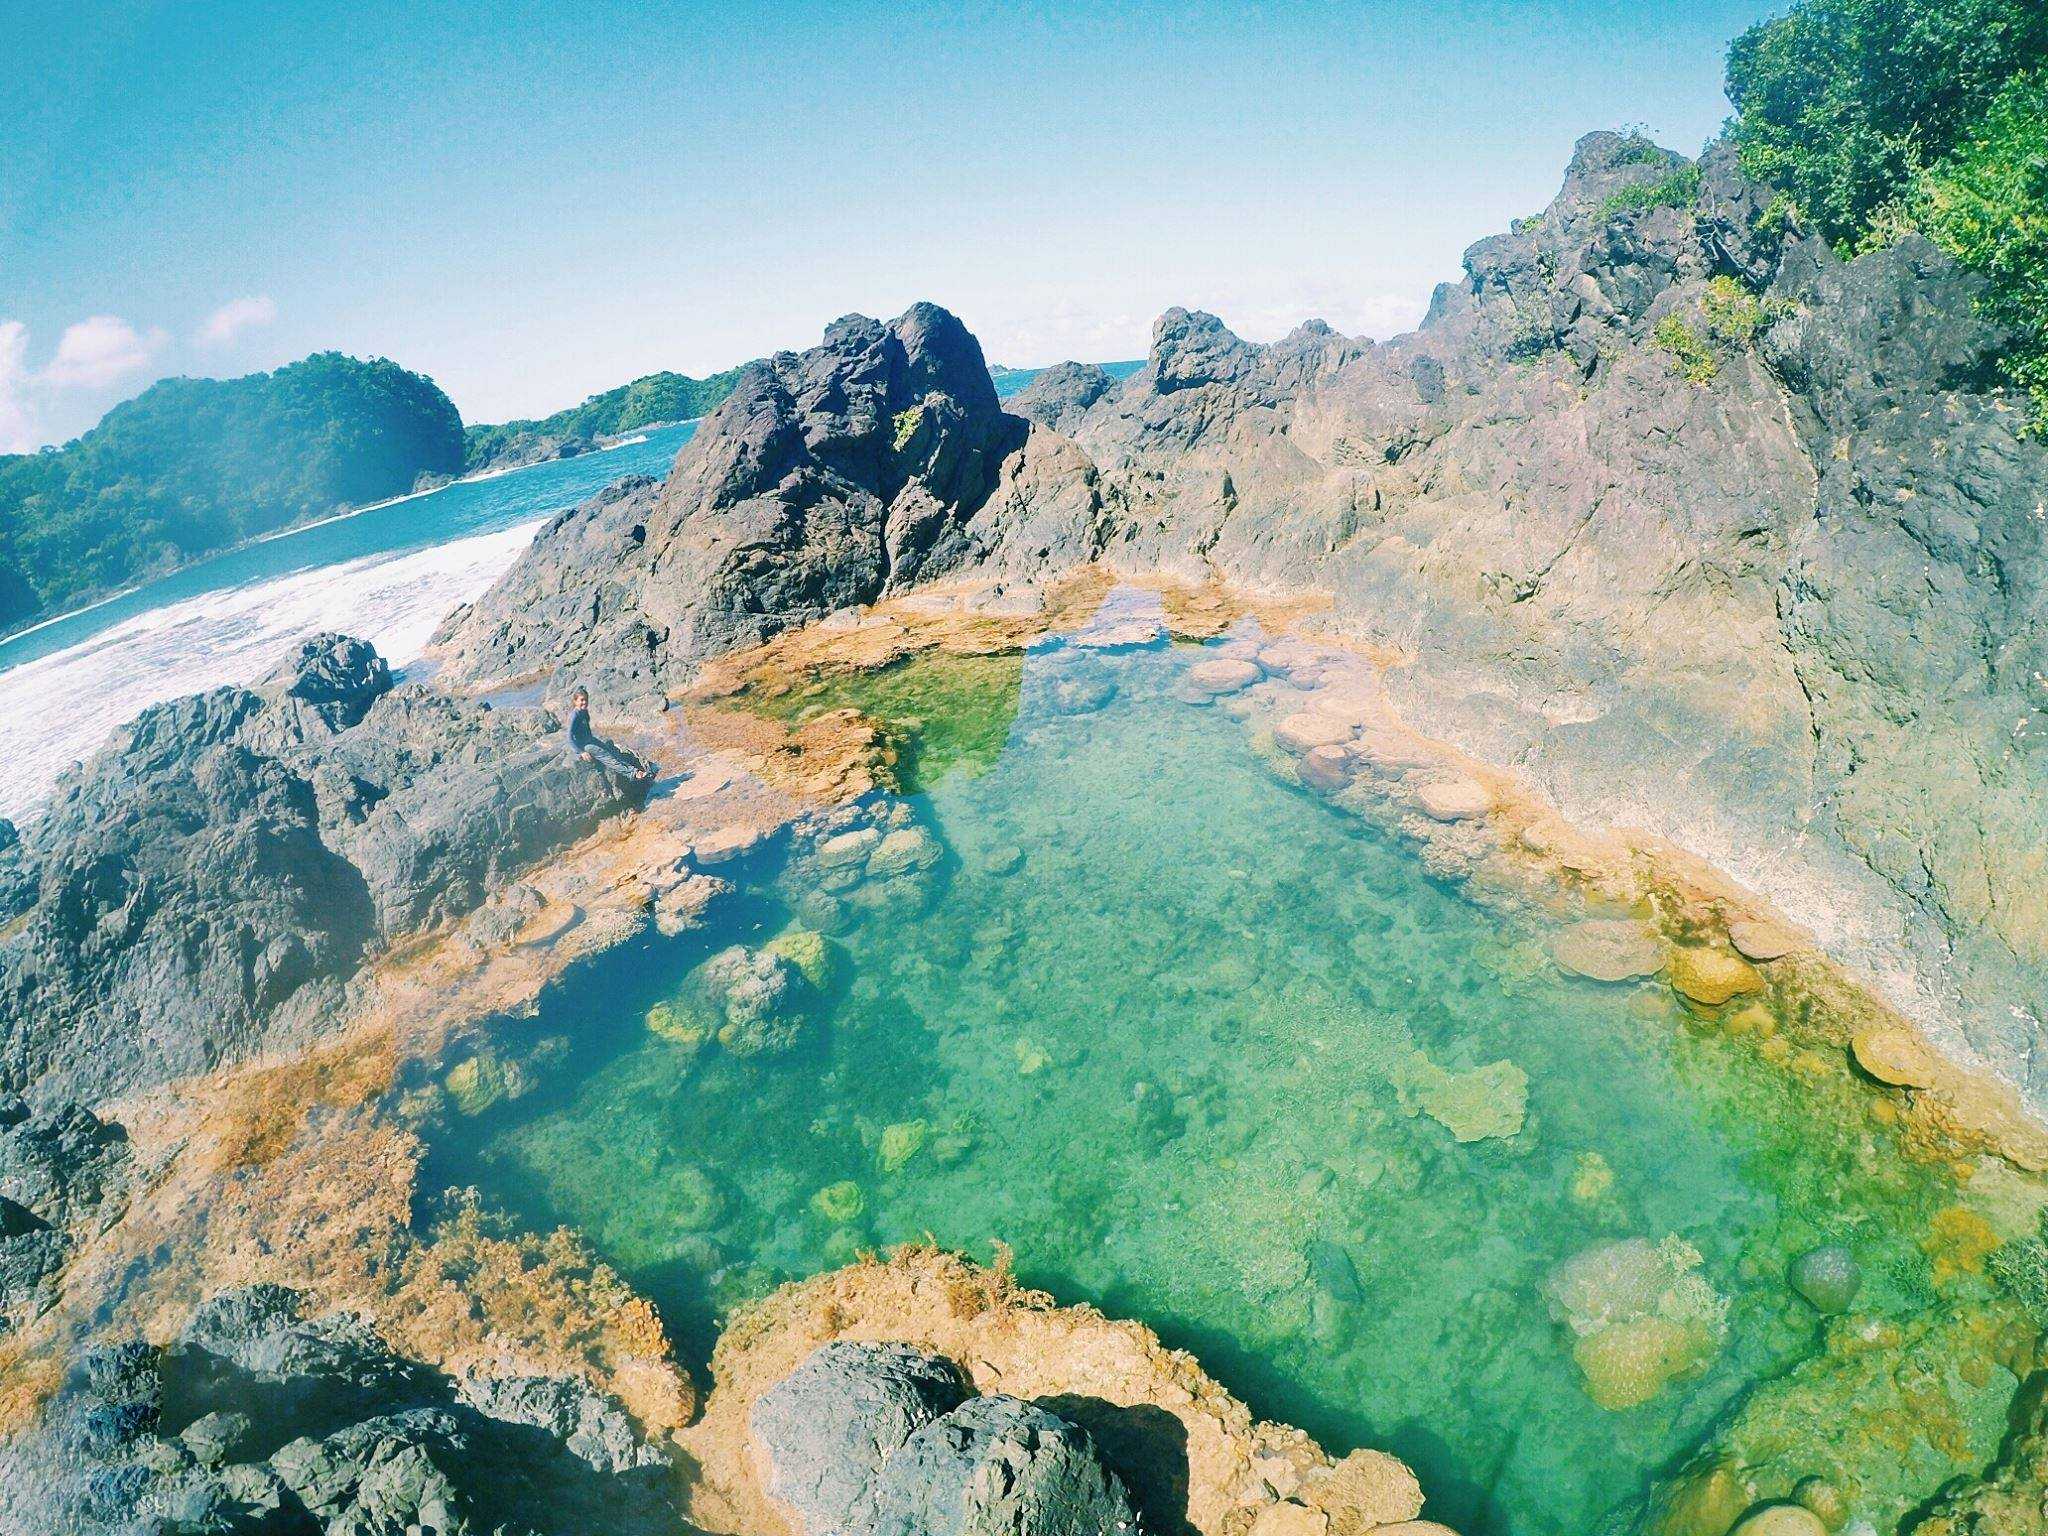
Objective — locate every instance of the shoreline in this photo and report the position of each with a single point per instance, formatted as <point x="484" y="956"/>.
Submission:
<point x="323" y="521"/>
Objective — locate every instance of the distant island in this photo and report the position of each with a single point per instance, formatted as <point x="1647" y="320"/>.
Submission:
<point x="652" y="400"/>
<point x="193" y="465"/>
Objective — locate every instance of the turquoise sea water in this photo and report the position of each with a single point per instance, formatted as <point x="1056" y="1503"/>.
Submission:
<point x="1194" y="1043"/>
<point x="461" y="510"/>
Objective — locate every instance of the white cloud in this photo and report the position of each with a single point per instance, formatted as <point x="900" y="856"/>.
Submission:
<point x="99" y="351"/>
<point x="18" y="432"/>
<point x="235" y="317"/>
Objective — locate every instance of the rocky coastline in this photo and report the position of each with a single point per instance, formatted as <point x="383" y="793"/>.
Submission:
<point x="1731" y="668"/>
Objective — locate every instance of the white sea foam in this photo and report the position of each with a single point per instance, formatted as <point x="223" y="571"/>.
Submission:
<point x="62" y="706"/>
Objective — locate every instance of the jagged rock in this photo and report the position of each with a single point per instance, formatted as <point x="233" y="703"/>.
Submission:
<point x="996" y="1466"/>
<point x="332" y="1434"/>
<point x="64" y="1176"/>
<point x="759" y="999"/>
<point x="832" y="1423"/>
<point x="208" y="882"/>
<point x="1060" y="396"/>
<point x="890" y="440"/>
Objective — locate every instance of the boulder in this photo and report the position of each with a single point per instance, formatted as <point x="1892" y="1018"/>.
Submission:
<point x="1223" y="674"/>
<point x="828" y="1428"/>
<point x="1711" y="976"/>
<point x="1454" y="799"/>
<point x="996" y="1466"/>
<point x="210" y="880"/>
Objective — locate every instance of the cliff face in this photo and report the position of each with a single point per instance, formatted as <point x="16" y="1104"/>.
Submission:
<point x="1702" y="527"/>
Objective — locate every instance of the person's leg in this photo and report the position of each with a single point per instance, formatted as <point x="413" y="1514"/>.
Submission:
<point x="611" y="757"/>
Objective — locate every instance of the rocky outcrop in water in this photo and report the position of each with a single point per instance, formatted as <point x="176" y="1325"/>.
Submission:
<point x="210" y="880"/>
<point x="887" y="1440"/>
<point x="261" y="1419"/>
<point x="1701" y="526"/>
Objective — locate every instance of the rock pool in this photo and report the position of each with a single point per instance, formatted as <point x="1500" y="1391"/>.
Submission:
<point x="1112" y="988"/>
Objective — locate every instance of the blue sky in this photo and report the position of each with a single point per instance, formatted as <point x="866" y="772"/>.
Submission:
<point x="534" y="201"/>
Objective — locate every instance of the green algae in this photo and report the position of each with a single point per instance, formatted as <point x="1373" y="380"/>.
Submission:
<point x="941" y="713"/>
<point x="1172" y="1030"/>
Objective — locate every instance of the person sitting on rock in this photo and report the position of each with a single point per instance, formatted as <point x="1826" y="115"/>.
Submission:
<point x="593" y="748"/>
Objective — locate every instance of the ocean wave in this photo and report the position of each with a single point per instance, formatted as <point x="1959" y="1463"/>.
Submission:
<point x="78" y="695"/>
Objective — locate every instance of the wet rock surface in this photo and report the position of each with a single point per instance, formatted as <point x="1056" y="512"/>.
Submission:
<point x="210" y="880"/>
<point x="260" y="1418"/>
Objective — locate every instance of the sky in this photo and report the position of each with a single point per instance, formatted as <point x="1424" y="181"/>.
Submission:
<point x="532" y="202"/>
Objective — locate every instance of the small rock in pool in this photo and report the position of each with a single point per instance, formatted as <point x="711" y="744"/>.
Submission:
<point x="1081" y="695"/>
<point x="1828" y="1276"/>
<point x="1325" y="768"/>
<point x="1223" y="674"/>
<point x="1824" y="1499"/>
<point x="840" y="1203"/>
<point x="1332" y="1269"/>
<point x="1896" y="1056"/>
<point x="1782" y="1520"/>
<point x="1712" y="976"/>
<point x="1608" y="949"/>
<point x="1305" y="730"/>
<point x="1454" y="800"/>
<point x="1761" y="940"/>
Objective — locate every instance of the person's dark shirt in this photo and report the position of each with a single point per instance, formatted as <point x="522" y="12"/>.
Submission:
<point x="579" y="730"/>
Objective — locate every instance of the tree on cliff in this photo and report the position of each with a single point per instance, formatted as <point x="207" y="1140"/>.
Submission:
<point x="1880" y="116"/>
<point x="192" y="465"/>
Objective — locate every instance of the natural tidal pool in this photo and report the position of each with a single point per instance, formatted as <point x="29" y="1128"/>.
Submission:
<point x="1202" y="1048"/>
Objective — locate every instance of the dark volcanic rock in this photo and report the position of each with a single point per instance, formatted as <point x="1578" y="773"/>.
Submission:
<point x="830" y="1425"/>
<point x="260" y="1420"/>
<point x="211" y="879"/>
<point x="996" y="1466"/>
<point x="64" y="1177"/>
<point x="882" y="1440"/>
<point x="829" y="478"/>
<point x="1061" y="395"/>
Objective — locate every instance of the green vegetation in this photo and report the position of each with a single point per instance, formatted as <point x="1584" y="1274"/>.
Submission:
<point x="1692" y="354"/>
<point x="1988" y="204"/>
<point x="193" y="465"/>
<point x="1678" y="188"/>
<point x="1730" y="320"/>
<point x="1877" y="119"/>
<point x="2021" y="1269"/>
<point x="646" y="402"/>
<point x="1844" y="102"/>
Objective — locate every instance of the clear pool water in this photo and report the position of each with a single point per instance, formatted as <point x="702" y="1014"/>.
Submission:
<point x="1199" y="1048"/>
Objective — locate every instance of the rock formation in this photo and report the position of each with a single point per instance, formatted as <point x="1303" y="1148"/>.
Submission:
<point x="210" y="880"/>
<point x="828" y="479"/>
